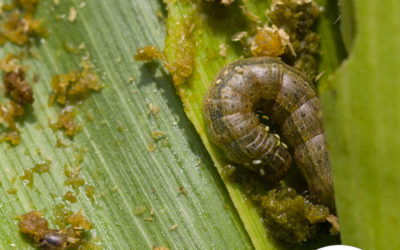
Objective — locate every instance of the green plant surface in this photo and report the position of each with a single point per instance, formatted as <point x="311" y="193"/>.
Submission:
<point x="361" y="109"/>
<point x="215" y="25"/>
<point x="111" y="148"/>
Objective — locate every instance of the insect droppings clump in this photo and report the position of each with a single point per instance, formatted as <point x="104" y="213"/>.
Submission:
<point x="68" y="91"/>
<point x="289" y="34"/>
<point x="297" y="18"/>
<point x="74" y="86"/>
<point x="37" y="228"/>
<point x="291" y="217"/>
<point x="20" y="27"/>
<point x="181" y="64"/>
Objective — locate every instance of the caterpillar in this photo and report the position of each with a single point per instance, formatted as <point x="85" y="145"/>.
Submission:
<point x="267" y="84"/>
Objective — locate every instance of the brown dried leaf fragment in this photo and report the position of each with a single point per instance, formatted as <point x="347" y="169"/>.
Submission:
<point x="17" y="87"/>
<point x="15" y="84"/>
<point x="20" y="93"/>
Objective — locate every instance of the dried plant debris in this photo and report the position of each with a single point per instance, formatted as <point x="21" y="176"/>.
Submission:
<point x="17" y="88"/>
<point x="295" y="20"/>
<point x="66" y="122"/>
<point x="73" y="178"/>
<point x="8" y="112"/>
<point x="291" y="217"/>
<point x="69" y="90"/>
<point x="39" y="168"/>
<point x="19" y="94"/>
<point x="20" y="27"/>
<point x="288" y="34"/>
<point x="70" y="236"/>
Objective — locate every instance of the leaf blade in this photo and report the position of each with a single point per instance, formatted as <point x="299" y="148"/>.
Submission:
<point x="117" y="163"/>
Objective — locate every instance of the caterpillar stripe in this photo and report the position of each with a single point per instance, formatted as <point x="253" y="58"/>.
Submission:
<point x="290" y="100"/>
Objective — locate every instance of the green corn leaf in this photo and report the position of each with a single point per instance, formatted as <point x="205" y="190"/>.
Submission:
<point x="214" y="27"/>
<point x="112" y="150"/>
<point x="112" y="147"/>
<point x="361" y="110"/>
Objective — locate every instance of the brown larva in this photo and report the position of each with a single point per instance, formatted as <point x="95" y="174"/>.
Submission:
<point x="290" y="100"/>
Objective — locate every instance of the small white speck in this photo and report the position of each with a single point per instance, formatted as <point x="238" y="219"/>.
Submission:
<point x="256" y="162"/>
<point x="262" y="171"/>
<point x="218" y="81"/>
<point x="82" y="5"/>
<point x="238" y="70"/>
